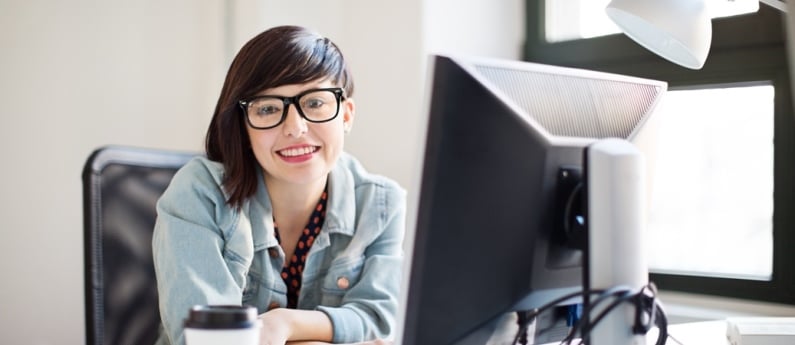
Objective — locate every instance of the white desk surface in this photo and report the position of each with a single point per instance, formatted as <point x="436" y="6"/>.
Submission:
<point x="694" y="333"/>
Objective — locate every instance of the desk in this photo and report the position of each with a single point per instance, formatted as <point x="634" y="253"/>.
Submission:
<point x="694" y="333"/>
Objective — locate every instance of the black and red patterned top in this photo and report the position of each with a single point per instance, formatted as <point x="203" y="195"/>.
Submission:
<point x="292" y="272"/>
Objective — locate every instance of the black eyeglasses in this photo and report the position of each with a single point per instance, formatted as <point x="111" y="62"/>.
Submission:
<point x="315" y="105"/>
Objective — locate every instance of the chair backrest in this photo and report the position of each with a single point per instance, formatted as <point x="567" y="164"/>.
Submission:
<point x="121" y="186"/>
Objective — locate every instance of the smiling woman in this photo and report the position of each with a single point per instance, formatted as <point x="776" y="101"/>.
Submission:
<point x="277" y="215"/>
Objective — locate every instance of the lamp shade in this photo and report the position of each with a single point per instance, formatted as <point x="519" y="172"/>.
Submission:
<point x="677" y="30"/>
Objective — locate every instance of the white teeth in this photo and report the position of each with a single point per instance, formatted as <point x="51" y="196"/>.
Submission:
<point x="297" y="151"/>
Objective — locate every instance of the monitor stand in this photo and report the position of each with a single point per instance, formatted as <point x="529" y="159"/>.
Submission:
<point x="616" y="216"/>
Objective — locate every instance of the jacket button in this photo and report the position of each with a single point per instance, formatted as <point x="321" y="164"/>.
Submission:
<point x="273" y="252"/>
<point x="343" y="283"/>
<point x="273" y="305"/>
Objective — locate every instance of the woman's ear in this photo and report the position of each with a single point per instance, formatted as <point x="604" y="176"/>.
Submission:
<point x="348" y="114"/>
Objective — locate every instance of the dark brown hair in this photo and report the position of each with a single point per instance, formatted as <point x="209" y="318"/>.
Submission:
<point x="279" y="56"/>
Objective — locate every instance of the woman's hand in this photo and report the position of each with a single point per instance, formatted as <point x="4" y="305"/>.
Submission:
<point x="274" y="330"/>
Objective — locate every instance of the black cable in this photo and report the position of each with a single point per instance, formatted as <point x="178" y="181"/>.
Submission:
<point x="623" y="298"/>
<point x="585" y="326"/>
<point x="648" y="312"/>
<point x="645" y="303"/>
<point x="524" y="318"/>
<point x="532" y="314"/>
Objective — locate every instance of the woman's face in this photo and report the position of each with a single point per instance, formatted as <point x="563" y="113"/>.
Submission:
<point x="298" y="151"/>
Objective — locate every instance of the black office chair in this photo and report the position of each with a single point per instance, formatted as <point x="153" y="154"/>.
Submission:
<point x="120" y="188"/>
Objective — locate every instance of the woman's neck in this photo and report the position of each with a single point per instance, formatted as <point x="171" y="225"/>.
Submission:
<point x="294" y="203"/>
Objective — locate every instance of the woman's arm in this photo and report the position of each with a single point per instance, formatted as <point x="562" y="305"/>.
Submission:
<point x="280" y="325"/>
<point x="371" y="342"/>
<point x="192" y="263"/>
<point x="368" y="307"/>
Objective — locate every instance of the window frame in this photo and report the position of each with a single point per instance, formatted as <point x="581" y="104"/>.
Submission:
<point x="745" y="48"/>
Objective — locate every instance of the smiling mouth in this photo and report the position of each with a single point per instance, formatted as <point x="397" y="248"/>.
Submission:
<point x="298" y="151"/>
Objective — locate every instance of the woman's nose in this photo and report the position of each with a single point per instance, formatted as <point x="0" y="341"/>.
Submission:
<point x="294" y="124"/>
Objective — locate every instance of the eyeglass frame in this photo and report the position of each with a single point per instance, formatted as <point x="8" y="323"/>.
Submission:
<point x="339" y="95"/>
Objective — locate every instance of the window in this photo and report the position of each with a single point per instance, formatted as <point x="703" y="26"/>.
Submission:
<point x="731" y="134"/>
<point x="716" y="145"/>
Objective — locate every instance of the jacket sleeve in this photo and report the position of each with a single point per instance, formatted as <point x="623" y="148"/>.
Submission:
<point x="191" y="264"/>
<point x="368" y="309"/>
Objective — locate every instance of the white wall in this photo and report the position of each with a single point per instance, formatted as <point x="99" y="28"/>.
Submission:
<point x="475" y="27"/>
<point x="75" y="75"/>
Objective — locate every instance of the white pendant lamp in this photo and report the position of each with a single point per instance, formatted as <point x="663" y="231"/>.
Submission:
<point x="677" y="30"/>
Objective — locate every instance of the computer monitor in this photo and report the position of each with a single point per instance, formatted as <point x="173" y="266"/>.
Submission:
<point x="790" y="32"/>
<point x="503" y="157"/>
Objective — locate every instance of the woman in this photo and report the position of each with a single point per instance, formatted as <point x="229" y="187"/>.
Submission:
<point x="277" y="216"/>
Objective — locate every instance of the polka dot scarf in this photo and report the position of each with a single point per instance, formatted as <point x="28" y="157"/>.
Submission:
<point x="291" y="273"/>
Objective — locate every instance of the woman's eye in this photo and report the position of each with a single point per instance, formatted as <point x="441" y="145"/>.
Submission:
<point x="268" y="110"/>
<point x="313" y="103"/>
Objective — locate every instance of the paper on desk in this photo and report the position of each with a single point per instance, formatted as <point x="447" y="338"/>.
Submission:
<point x="761" y="330"/>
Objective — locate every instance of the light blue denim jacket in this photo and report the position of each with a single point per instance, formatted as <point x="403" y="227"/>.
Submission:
<point x="206" y="252"/>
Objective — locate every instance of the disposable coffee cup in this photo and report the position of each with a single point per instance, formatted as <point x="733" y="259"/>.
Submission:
<point x="222" y="325"/>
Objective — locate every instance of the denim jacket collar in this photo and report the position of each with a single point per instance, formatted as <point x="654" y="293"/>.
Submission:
<point x="340" y="213"/>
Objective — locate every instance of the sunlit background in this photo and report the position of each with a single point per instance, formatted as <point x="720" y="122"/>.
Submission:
<point x="713" y="178"/>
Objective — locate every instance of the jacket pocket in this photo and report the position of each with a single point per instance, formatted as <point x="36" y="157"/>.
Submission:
<point x="343" y="274"/>
<point x="263" y="296"/>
